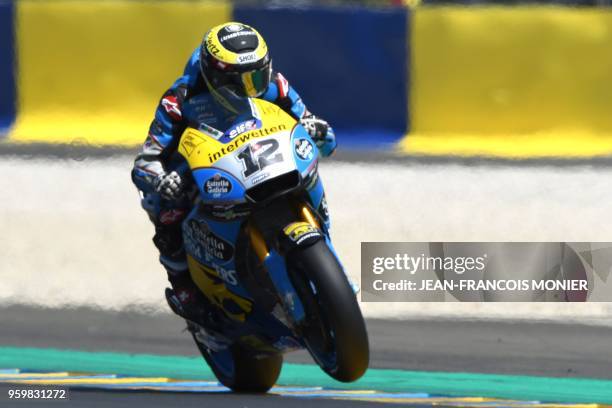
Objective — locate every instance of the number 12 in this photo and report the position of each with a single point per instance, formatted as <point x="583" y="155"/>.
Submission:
<point x="255" y="157"/>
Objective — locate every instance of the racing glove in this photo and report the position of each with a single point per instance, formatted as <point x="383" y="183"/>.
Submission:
<point x="320" y="131"/>
<point x="169" y="185"/>
<point x="316" y="127"/>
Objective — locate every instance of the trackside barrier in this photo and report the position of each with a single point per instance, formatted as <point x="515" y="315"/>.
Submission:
<point x="511" y="81"/>
<point x="7" y="66"/>
<point x="93" y="71"/>
<point x="350" y="64"/>
<point x="529" y="81"/>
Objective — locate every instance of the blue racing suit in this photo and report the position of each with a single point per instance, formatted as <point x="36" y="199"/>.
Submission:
<point x="188" y="102"/>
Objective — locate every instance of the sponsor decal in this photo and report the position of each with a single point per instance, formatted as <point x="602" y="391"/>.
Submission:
<point x="304" y="149"/>
<point x="323" y="209"/>
<point x="238" y="34"/>
<point x="227" y="275"/>
<point x="230" y="214"/>
<point x="232" y="28"/>
<point x="242" y="127"/>
<point x="171" y="216"/>
<point x="312" y="176"/>
<point x="207" y="129"/>
<point x="171" y="106"/>
<point x="246" y="58"/>
<point x="185" y="296"/>
<point x="211" y="46"/>
<point x="299" y="232"/>
<point x="217" y="185"/>
<point x="190" y="141"/>
<point x="257" y="156"/>
<point x="259" y="178"/>
<point x="270" y="109"/>
<point x="214" y="285"/>
<point x="213" y="245"/>
<point x="242" y="139"/>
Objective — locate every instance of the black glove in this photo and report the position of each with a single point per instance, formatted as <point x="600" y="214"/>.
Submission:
<point x="169" y="185"/>
<point x="317" y="128"/>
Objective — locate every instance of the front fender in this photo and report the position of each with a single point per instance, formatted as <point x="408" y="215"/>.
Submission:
<point x="299" y="234"/>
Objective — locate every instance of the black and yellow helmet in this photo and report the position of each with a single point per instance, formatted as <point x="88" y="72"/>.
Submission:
<point x="234" y="55"/>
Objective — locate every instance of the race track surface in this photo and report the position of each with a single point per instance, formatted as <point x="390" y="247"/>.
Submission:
<point x="122" y="399"/>
<point x="535" y="348"/>
<point x="522" y="348"/>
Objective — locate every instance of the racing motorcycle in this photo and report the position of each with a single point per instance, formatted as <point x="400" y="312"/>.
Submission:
<point x="258" y="248"/>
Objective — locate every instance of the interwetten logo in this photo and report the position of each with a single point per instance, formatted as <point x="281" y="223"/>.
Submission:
<point x="242" y="139"/>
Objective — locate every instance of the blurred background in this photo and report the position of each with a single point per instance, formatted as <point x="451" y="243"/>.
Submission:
<point x="457" y="121"/>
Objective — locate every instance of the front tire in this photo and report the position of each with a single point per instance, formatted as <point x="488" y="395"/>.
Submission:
<point x="335" y="332"/>
<point x="238" y="369"/>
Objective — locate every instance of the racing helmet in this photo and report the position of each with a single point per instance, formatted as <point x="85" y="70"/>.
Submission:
<point x="234" y="56"/>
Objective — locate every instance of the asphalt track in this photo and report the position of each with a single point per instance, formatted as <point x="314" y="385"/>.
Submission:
<point x="527" y="348"/>
<point x="136" y="399"/>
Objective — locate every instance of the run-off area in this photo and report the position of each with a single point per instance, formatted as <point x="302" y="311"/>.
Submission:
<point x="74" y="233"/>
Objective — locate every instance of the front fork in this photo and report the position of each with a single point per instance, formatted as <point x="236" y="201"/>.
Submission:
<point x="276" y="264"/>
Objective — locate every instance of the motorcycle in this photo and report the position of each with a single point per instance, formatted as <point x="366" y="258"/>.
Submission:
<point x="258" y="248"/>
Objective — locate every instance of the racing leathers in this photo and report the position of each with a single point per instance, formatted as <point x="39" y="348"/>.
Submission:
<point x="164" y="194"/>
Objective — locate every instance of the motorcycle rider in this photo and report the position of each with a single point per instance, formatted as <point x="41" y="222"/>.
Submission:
<point x="232" y="57"/>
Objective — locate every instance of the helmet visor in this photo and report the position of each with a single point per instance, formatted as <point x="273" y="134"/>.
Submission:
<point x="255" y="82"/>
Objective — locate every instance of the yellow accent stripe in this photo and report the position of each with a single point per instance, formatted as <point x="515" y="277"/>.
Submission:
<point x="93" y="71"/>
<point x="509" y="146"/>
<point x="30" y="375"/>
<point x="214" y="287"/>
<point x="93" y="381"/>
<point x="249" y="86"/>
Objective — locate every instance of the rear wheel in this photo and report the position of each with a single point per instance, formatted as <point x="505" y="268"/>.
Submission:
<point x="334" y="331"/>
<point x="239" y="370"/>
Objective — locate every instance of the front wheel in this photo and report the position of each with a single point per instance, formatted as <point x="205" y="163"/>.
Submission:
<point x="334" y="330"/>
<point x="238" y="369"/>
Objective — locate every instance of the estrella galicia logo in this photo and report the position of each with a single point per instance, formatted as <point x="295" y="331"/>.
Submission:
<point x="304" y="149"/>
<point x="213" y="245"/>
<point x="217" y="185"/>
